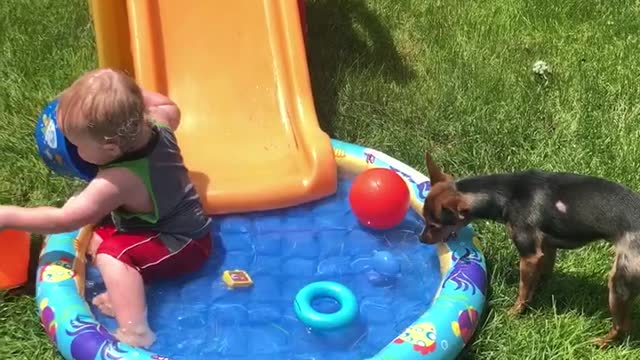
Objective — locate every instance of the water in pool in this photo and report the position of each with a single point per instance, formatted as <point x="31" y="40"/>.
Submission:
<point x="198" y="317"/>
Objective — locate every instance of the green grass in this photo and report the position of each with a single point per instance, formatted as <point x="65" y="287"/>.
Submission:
<point x="403" y="76"/>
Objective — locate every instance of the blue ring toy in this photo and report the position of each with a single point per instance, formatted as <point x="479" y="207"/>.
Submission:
<point x="322" y="321"/>
<point x="56" y="151"/>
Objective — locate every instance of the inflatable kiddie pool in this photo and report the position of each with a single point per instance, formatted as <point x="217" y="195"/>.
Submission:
<point x="427" y="308"/>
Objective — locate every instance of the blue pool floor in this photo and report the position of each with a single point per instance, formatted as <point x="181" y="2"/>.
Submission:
<point x="198" y="317"/>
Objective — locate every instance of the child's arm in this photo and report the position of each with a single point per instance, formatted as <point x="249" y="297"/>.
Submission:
<point x="105" y="193"/>
<point x="163" y="109"/>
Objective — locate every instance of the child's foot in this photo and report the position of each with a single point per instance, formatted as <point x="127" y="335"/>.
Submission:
<point x="103" y="303"/>
<point x="140" y="336"/>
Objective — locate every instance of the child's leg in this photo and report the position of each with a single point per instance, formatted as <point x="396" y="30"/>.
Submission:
<point x="124" y="297"/>
<point x="102" y="301"/>
<point x="125" y="292"/>
<point x="126" y="262"/>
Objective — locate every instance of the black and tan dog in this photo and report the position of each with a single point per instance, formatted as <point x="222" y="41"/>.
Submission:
<point x="543" y="212"/>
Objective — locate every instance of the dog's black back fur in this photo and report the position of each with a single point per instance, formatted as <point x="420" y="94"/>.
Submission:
<point x="594" y="208"/>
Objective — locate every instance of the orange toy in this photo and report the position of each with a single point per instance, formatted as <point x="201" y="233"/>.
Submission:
<point x="14" y="258"/>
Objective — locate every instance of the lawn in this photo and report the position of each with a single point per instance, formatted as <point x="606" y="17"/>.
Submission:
<point x="403" y="76"/>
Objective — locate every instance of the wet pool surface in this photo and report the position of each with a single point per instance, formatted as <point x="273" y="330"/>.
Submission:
<point x="198" y="317"/>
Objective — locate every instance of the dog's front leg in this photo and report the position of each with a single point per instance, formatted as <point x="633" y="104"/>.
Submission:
<point x="528" y="241"/>
<point x="530" y="271"/>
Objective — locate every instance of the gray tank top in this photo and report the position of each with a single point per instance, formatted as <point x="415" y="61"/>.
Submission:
<point x="178" y="215"/>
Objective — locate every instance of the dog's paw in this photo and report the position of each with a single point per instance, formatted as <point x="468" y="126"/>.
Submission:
<point x="607" y="340"/>
<point x="602" y="341"/>
<point x="517" y="309"/>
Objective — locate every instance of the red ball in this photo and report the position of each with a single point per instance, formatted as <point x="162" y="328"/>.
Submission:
<point x="379" y="198"/>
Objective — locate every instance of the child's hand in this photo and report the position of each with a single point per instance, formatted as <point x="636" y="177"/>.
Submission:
<point x="163" y="109"/>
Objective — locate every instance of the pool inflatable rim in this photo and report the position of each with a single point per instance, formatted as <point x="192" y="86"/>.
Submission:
<point x="441" y="331"/>
<point x="325" y="321"/>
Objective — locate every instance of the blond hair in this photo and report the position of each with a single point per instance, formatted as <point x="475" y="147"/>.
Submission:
<point x="105" y="104"/>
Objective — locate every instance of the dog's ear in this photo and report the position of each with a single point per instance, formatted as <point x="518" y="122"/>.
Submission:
<point x="435" y="174"/>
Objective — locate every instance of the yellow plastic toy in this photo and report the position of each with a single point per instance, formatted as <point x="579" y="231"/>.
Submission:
<point x="236" y="278"/>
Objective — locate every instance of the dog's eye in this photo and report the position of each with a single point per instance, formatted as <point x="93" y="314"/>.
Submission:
<point x="448" y="217"/>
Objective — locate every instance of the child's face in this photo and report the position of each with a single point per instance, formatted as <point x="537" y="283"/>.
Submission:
<point x="93" y="151"/>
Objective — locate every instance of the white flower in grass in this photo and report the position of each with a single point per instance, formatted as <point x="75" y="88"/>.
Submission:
<point x="541" y="68"/>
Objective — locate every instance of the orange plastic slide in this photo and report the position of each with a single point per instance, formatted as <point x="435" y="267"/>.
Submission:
<point x="237" y="69"/>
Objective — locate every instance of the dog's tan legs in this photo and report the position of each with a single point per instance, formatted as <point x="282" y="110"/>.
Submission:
<point x="530" y="271"/>
<point x="621" y="295"/>
<point x="528" y="241"/>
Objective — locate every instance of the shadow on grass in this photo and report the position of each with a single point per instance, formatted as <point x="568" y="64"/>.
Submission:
<point x="345" y="36"/>
<point x="571" y="292"/>
<point x="564" y="293"/>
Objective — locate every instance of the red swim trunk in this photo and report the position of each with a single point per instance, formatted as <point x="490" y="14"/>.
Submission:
<point x="147" y="253"/>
